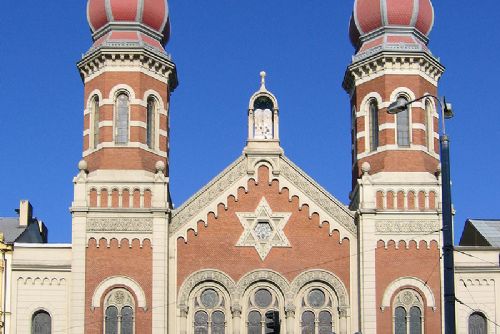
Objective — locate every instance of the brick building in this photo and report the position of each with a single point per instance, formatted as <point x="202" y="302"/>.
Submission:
<point x="262" y="248"/>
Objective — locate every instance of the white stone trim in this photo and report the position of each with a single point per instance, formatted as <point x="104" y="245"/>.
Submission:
<point x="402" y="90"/>
<point x="139" y="124"/>
<point x="360" y="134"/>
<point x="418" y="126"/>
<point x="103" y="124"/>
<point x="123" y="281"/>
<point x="387" y="126"/>
<point x="113" y="93"/>
<point x="410" y="282"/>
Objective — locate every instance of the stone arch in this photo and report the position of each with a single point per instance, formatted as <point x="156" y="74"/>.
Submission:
<point x="119" y="281"/>
<point x="262" y="275"/>
<point x="326" y="277"/>
<point x="414" y="282"/>
<point x="199" y="277"/>
<point x="113" y="93"/>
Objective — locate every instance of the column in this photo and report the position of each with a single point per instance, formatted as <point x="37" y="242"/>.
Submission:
<point x="236" y="312"/>
<point x="184" y="309"/>
<point x="290" y="319"/>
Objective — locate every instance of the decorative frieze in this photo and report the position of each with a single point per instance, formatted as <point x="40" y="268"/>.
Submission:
<point x="408" y="226"/>
<point x="119" y="224"/>
<point x="208" y="194"/>
<point x="318" y="195"/>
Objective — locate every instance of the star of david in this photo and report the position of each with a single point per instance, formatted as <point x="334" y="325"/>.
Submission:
<point x="263" y="229"/>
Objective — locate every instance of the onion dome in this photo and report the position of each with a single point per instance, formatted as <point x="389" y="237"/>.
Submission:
<point x="379" y="22"/>
<point x="142" y="21"/>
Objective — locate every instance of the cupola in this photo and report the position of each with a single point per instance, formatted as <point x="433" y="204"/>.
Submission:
<point x="391" y="25"/>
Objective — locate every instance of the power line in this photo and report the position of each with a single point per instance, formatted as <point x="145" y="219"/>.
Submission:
<point x="472" y="309"/>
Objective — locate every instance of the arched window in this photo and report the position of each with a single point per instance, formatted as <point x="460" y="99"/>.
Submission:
<point x="403" y="125"/>
<point x="263" y="118"/>
<point x="429" y="131"/>
<point x="150" y="122"/>
<point x="121" y="121"/>
<point x="374" y="129"/>
<point x="477" y="323"/>
<point x="263" y="314"/>
<point x="41" y="323"/>
<point x="95" y="121"/>
<point x="408" y="316"/>
<point x="119" y="312"/>
<point x="317" y="309"/>
<point x="354" y="136"/>
<point x="209" y="316"/>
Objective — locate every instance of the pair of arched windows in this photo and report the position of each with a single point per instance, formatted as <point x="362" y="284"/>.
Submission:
<point x="41" y="323"/>
<point x="122" y="115"/>
<point x="408" y="315"/>
<point x="119" y="312"/>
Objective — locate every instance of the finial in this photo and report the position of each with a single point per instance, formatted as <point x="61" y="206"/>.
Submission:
<point x="262" y="80"/>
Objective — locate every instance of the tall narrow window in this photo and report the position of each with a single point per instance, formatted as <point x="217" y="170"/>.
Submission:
<point x="111" y="320"/>
<point x="95" y="121"/>
<point x="429" y="132"/>
<point x="150" y="122"/>
<point x="121" y="123"/>
<point x="41" y="323"/>
<point x="477" y="323"/>
<point x="403" y="125"/>
<point x="374" y="130"/>
<point x="400" y="321"/>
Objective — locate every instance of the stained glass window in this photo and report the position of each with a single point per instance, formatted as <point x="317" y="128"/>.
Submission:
<point x="127" y="320"/>
<point x="263" y="298"/>
<point x="477" y="323"/>
<point x="254" y="323"/>
<point x="218" y="322"/>
<point x="374" y="129"/>
<point x="111" y="320"/>
<point x="403" y="125"/>
<point x="400" y="321"/>
<point x="41" y="323"/>
<point x="121" y="125"/>
<point x="150" y="122"/>
<point x="325" y="322"/>
<point x="201" y="322"/>
<point x="308" y="322"/>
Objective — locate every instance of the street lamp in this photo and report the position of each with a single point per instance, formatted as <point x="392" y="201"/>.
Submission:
<point x="449" y="274"/>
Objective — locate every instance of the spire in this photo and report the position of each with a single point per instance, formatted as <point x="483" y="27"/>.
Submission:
<point x="263" y="81"/>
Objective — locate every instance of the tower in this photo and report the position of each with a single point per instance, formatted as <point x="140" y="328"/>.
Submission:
<point x="395" y="170"/>
<point x="121" y="195"/>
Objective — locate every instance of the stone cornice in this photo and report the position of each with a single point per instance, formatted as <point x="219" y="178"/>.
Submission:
<point x="382" y="63"/>
<point x="152" y="61"/>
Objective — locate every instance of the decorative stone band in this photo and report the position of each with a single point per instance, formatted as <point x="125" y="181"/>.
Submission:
<point x="408" y="226"/>
<point x="392" y="62"/>
<point x="118" y="224"/>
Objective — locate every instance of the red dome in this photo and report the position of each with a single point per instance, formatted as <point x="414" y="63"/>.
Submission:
<point x="151" y="13"/>
<point x="370" y="15"/>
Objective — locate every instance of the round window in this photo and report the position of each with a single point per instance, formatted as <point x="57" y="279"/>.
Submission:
<point x="263" y="298"/>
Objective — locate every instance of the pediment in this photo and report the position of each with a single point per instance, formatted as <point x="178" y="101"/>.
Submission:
<point x="238" y="174"/>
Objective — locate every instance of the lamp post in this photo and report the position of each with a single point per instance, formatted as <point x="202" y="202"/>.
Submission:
<point x="448" y="262"/>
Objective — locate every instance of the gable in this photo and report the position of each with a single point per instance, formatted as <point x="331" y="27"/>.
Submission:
<point x="237" y="176"/>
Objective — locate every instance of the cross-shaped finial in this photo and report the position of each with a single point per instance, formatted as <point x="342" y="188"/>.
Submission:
<point x="262" y="80"/>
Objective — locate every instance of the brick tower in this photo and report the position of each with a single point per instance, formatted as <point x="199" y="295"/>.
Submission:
<point x="121" y="199"/>
<point x="396" y="182"/>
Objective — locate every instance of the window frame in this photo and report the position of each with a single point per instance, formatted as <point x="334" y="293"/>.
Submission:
<point x="330" y="306"/>
<point x="223" y="306"/>
<point x="373" y="125"/>
<point x="482" y="315"/>
<point x="277" y="305"/>
<point x="417" y="301"/>
<point x="128" y="301"/>
<point x="95" y="119"/>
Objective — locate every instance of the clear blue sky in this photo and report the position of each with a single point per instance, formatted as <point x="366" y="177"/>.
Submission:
<point x="219" y="48"/>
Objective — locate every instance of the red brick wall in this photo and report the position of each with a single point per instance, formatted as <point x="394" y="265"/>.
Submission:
<point x="104" y="262"/>
<point x="423" y="263"/>
<point x="214" y="246"/>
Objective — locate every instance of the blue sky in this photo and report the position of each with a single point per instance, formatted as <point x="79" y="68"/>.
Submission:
<point x="219" y="48"/>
